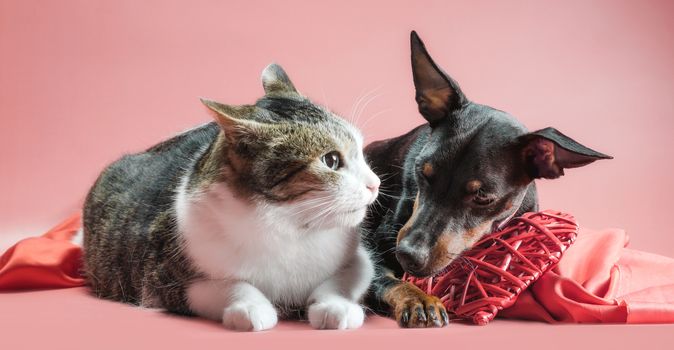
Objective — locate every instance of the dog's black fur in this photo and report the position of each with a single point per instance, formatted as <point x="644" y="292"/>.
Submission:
<point x="450" y="181"/>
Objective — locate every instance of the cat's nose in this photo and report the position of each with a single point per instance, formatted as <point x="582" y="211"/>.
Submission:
<point x="374" y="185"/>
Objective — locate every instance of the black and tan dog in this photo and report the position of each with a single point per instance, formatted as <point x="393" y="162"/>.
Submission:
<point x="450" y="181"/>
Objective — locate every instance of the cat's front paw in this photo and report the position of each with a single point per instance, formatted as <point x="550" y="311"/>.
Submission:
<point x="241" y="316"/>
<point x="336" y="313"/>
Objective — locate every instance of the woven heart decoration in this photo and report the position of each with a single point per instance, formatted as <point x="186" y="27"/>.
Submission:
<point x="489" y="276"/>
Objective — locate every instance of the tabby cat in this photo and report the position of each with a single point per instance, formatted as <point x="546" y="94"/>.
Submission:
<point x="243" y="220"/>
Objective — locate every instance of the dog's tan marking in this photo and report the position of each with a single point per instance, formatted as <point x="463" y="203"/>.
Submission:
<point x="473" y="185"/>
<point x="405" y="229"/>
<point x="450" y="244"/>
<point x="473" y="234"/>
<point x="439" y="258"/>
<point x="427" y="170"/>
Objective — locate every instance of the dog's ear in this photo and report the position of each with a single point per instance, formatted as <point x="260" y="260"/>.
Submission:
<point x="547" y="152"/>
<point x="436" y="93"/>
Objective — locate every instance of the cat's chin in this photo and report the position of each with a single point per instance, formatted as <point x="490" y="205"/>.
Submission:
<point x="355" y="211"/>
<point x="355" y="216"/>
<point x="343" y="219"/>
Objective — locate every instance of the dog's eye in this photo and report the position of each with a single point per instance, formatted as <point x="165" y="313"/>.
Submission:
<point x="482" y="199"/>
<point x="425" y="179"/>
<point x="332" y="160"/>
<point x="423" y="176"/>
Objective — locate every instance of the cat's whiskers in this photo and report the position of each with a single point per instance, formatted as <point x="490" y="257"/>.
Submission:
<point x="328" y="206"/>
<point x="356" y="106"/>
<point x="314" y="205"/>
<point x="386" y="176"/>
<point x="389" y="193"/>
<point x="315" y="200"/>
<point x="364" y="106"/>
<point x="323" y="214"/>
<point x="390" y="250"/>
<point x="392" y="196"/>
<point x="372" y="117"/>
<point x="340" y="204"/>
<point x="379" y="204"/>
<point x="384" y="188"/>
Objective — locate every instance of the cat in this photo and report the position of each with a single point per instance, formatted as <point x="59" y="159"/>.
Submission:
<point x="244" y="220"/>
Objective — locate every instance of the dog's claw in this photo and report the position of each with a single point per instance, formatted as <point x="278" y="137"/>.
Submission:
<point x="445" y="317"/>
<point x="421" y="315"/>
<point x="404" y="318"/>
<point x="433" y="316"/>
<point x="416" y="309"/>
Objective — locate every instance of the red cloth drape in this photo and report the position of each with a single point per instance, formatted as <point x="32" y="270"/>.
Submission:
<point x="598" y="280"/>
<point x="47" y="261"/>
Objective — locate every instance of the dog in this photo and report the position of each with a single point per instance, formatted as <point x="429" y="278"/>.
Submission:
<point x="447" y="183"/>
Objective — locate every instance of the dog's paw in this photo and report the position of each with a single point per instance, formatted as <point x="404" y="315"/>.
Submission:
<point x="413" y="308"/>
<point x="336" y="313"/>
<point x="242" y="316"/>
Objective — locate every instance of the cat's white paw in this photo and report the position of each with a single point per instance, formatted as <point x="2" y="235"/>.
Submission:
<point x="242" y="316"/>
<point x="336" y="313"/>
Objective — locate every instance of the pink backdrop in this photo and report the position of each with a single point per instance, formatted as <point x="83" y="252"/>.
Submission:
<point x="81" y="82"/>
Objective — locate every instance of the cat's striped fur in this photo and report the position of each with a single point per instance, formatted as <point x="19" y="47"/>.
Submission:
<point x="178" y="225"/>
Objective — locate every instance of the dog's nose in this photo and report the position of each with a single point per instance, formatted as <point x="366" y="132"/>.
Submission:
<point x="412" y="260"/>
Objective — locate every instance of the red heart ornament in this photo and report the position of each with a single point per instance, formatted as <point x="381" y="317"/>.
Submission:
<point x="489" y="276"/>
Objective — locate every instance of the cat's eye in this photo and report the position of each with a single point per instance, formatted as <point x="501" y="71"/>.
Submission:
<point x="332" y="160"/>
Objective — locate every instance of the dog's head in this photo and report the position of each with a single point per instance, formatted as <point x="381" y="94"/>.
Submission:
<point x="474" y="170"/>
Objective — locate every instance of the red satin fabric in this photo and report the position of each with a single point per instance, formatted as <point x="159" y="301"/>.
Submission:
<point x="597" y="281"/>
<point x="48" y="261"/>
<point x="600" y="281"/>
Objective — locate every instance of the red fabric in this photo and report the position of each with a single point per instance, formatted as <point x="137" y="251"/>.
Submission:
<point x="601" y="281"/>
<point x="597" y="281"/>
<point x="48" y="261"/>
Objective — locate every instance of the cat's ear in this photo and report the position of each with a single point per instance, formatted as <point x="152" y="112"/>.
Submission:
<point x="232" y="119"/>
<point x="276" y="81"/>
<point x="436" y="93"/>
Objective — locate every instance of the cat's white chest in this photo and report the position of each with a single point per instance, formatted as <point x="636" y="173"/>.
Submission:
<point x="227" y="238"/>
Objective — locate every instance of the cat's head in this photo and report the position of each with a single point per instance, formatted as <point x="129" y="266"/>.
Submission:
<point x="295" y="156"/>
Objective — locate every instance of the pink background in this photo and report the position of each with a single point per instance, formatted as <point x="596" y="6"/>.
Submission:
<point x="82" y="82"/>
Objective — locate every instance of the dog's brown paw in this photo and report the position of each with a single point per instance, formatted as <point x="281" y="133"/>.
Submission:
<point x="415" y="309"/>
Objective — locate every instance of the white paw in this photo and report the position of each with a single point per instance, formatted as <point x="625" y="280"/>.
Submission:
<point x="336" y="313"/>
<point x="249" y="317"/>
